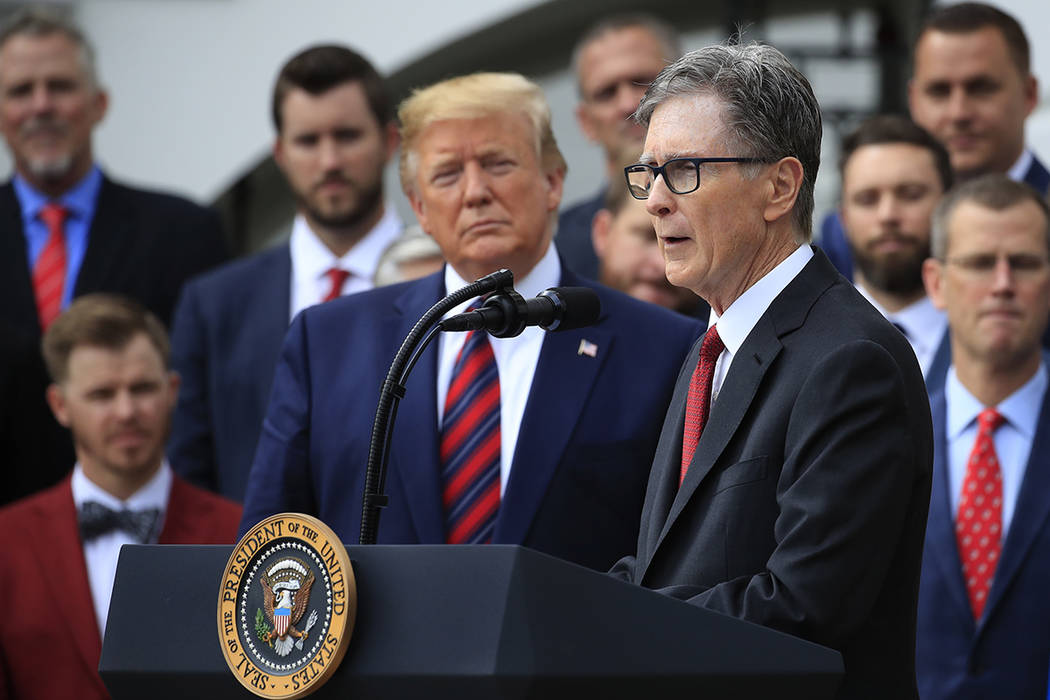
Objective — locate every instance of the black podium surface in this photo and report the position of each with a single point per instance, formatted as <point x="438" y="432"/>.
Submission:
<point x="463" y="622"/>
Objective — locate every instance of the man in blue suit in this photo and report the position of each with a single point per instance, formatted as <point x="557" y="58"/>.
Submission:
<point x="577" y="415"/>
<point x="334" y="137"/>
<point x="983" y="622"/>
<point x="972" y="89"/>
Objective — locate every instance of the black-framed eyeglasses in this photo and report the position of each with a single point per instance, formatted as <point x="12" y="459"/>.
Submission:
<point x="681" y="175"/>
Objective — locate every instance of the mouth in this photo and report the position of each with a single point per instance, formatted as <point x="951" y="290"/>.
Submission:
<point x="484" y="225"/>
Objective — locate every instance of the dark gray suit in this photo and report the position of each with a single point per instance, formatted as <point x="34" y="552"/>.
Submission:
<point x="805" y="504"/>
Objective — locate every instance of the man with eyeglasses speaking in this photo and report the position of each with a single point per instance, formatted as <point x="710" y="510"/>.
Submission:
<point x="984" y="625"/>
<point x="791" y="483"/>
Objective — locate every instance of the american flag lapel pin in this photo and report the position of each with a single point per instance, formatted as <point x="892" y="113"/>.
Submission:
<point x="587" y="348"/>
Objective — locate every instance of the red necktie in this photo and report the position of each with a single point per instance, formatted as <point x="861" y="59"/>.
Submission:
<point x="470" y="444"/>
<point x="979" y="522"/>
<point x="49" y="272"/>
<point x="338" y="278"/>
<point x="698" y="402"/>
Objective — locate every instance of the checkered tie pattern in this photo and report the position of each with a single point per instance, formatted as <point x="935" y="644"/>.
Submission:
<point x="49" y="272"/>
<point x="979" y="521"/>
<point x="698" y="402"/>
<point x="470" y="444"/>
<point x="338" y="278"/>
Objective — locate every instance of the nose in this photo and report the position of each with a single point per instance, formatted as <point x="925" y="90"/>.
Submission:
<point x="661" y="201"/>
<point x="328" y="151"/>
<point x="888" y="209"/>
<point x="628" y="95"/>
<point x="41" y="99"/>
<point x="960" y="107"/>
<point x="476" y="190"/>
<point x="124" y="405"/>
<point x="1002" y="277"/>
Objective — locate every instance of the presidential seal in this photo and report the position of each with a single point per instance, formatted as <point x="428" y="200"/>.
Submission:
<point x="286" y="606"/>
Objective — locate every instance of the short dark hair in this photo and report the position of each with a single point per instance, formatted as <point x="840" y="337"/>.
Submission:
<point x="664" y="33"/>
<point x="892" y="128"/>
<point x="100" y="320"/>
<point x="318" y="69"/>
<point x="968" y="17"/>
<point x="994" y="191"/>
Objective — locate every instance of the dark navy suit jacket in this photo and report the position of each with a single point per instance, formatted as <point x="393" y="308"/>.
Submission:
<point x="226" y="338"/>
<point x="574" y="236"/>
<point x="1005" y="655"/>
<point x="582" y="458"/>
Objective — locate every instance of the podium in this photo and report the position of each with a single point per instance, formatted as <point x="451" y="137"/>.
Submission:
<point x="436" y="621"/>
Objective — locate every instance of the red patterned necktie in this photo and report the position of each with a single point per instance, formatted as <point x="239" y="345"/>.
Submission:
<point x="49" y="272"/>
<point x="979" y="521"/>
<point x="470" y="444"/>
<point x="338" y="278"/>
<point x="698" y="403"/>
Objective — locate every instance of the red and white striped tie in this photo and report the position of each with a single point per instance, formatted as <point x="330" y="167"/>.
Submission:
<point x="49" y="272"/>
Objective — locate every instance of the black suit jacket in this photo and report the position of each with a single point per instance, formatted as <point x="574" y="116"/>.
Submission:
<point x="141" y="244"/>
<point x="805" y="504"/>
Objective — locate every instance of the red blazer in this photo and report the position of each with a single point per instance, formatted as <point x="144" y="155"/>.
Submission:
<point x="49" y="640"/>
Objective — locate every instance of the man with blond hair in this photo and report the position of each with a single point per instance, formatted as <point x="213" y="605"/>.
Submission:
<point x="548" y="443"/>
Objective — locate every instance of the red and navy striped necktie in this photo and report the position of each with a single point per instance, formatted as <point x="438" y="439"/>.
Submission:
<point x="470" y="444"/>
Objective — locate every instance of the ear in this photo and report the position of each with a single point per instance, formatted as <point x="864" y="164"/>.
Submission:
<point x="912" y="92"/>
<point x="278" y="152"/>
<point x="174" y="382"/>
<point x="785" y="182"/>
<point x="393" y="139"/>
<point x="57" y="401"/>
<point x="933" y="278"/>
<point x="419" y="209"/>
<point x="1031" y="94"/>
<point x="555" y="184"/>
<point x="99" y="105"/>
<point x="600" y="226"/>
<point x="583" y="118"/>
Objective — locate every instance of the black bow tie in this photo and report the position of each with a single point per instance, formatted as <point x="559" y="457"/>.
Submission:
<point x="97" y="520"/>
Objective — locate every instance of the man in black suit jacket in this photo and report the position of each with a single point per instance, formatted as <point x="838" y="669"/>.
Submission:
<point x="804" y="504"/>
<point x="114" y="238"/>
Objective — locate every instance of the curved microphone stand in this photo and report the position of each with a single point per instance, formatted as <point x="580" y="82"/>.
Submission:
<point x="394" y="390"/>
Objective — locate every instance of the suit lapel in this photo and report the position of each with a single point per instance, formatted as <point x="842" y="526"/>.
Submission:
<point x="109" y="241"/>
<point x="267" y="314"/>
<point x="940" y="527"/>
<point x="1030" y="514"/>
<point x="756" y="355"/>
<point x="414" y="457"/>
<point x="1038" y="177"/>
<point x="727" y="413"/>
<point x="19" y="302"/>
<point x="61" y="556"/>
<point x="560" y="388"/>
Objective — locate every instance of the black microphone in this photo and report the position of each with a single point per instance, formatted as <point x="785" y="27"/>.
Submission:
<point x="506" y="314"/>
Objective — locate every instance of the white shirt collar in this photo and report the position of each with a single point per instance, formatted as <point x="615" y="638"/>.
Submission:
<point x="1019" y="169"/>
<point x="311" y="259"/>
<point x="735" y="324"/>
<point x="923" y="323"/>
<point x="1020" y="409"/>
<point x="153" y="494"/>
<point x="545" y="274"/>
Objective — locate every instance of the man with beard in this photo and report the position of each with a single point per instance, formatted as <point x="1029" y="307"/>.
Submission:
<point x="334" y="136"/>
<point x="66" y="228"/>
<point x="893" y="175"/>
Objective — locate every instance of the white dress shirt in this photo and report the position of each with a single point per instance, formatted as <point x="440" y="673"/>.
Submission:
<point x="736" y="323"/>
<point x="923" y="323"/>
<point x="516" y="358"/>
<point x="311" y="260"/>
<point x="1013" y="439"/>
<point x="1019" y="169"/>
<point x="100" y="554"/>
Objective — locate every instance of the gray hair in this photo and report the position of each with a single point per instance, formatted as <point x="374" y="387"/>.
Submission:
<point x="994" y="191"/>
<point x="769" y="111"/>
<point x="44" y="21"/>
<point x="663" y="32"/>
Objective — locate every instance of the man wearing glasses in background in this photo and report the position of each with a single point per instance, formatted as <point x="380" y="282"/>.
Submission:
<point x="791" y="483"/>
<point x="984" y="625"/>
